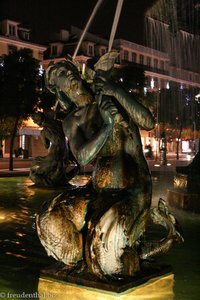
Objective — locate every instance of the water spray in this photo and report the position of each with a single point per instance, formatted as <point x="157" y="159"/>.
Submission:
<point x="98" y="4"/>
<point x="115" y="23"/>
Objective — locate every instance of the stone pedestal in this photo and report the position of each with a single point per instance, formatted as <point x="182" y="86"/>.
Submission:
<point x="160" y="287"/>
<point x="190" y="182"/>
<point x="186" y="192"/>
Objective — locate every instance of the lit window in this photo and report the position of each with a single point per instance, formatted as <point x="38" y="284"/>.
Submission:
<point x="152" y="83"/>
<point x="167" y="85"/>
<point x="145" y="90"/>
<point x="41" y="70"/>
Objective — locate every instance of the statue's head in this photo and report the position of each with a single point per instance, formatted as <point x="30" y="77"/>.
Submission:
<point x="65" y="77"/>
<point x="58" y="70"/>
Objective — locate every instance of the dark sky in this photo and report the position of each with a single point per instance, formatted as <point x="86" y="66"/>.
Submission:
<point x="45" y="16"/>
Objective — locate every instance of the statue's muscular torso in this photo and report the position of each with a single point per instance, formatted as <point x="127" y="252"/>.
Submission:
<point x="115" y="167"/>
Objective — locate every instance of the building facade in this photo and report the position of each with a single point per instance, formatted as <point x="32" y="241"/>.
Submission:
<point x="162" y="74"/>
<point x="174" y="84"/>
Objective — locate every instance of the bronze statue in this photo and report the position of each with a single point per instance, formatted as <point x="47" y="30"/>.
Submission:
<point x="50" y="170"/>
<point x="102" y="125"/>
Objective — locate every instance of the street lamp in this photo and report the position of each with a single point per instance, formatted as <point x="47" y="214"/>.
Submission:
<point x="197" y="97"/>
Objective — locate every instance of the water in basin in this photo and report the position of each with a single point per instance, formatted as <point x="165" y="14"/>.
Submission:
<point x="22" y="256"/>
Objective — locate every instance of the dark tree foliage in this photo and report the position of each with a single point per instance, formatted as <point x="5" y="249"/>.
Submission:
<point x="19" y="78"/>
<point x="46" y="99"/>
<point x="132" y="79"/>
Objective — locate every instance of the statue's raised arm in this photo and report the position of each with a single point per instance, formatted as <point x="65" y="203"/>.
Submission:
<point x="139" y="114"/>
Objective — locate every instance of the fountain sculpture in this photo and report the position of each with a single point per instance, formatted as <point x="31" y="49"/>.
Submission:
<point x="99" y="230"/>
<point x="50" y="170"/>
<point x="172" y="29"/>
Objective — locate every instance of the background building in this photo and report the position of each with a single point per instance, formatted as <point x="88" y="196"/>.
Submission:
<point x="169" y="57"/>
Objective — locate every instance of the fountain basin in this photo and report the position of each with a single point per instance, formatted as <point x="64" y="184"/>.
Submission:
<point x="22" y="257"/>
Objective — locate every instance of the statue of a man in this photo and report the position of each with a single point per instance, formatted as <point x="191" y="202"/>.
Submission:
<point x="102" y="126"/>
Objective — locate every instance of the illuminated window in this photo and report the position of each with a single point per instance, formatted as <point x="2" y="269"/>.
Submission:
<point x="152" y="84"/>
<point x="23" y="139"/>
<point x="167" y="85"/>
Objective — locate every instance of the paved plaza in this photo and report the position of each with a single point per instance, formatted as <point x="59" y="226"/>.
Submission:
<point x="22" y="166"/>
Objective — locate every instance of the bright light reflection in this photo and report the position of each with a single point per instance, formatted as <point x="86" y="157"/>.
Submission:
<point x="2" y="216"/>
<point x="157" y="165"/>
<point x="41" y="70"/>
<point x="16" y="255"/>
<point x="152" y="83"/>
<point x="6" y="216"/>
<point x="80" y="180"/>
<point x="20" y="234"/>
<point x="167" y="86"/>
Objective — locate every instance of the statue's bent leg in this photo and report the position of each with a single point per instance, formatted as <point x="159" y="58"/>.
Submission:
<point x="59" y="229"/>
<point x="111" y="244"/>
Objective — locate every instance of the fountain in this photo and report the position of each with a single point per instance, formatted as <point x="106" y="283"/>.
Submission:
<point x="19" y="243"/>
<point x="172" y="28"/>
<point x="98" y="233"/>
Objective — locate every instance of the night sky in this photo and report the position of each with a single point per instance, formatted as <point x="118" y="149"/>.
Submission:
<point x="45" y="16"/>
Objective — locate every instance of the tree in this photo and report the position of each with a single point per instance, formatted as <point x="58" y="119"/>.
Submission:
<point x="132" y="79"/>
<point x="6" y="128"/>
<point x="19" y="77"/>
